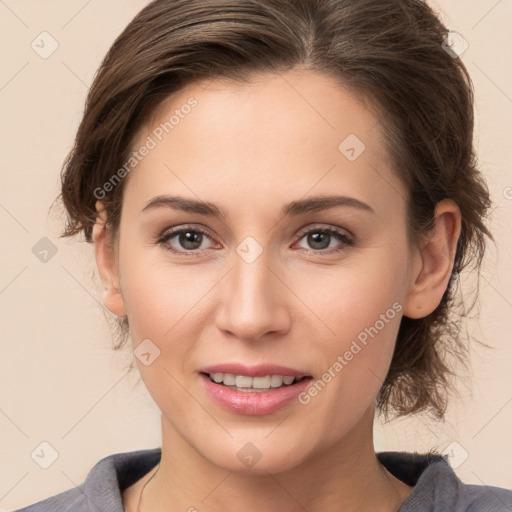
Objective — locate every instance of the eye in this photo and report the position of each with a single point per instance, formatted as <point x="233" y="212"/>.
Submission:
<point x="320" y="239"/>
<point x="190" y="239"/>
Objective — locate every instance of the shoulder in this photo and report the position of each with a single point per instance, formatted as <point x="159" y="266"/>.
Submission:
<point x="488" y="498"/>
<point x="437" y="488"/>
<point x="67" y="501"/>
<point x="103" y="485"/>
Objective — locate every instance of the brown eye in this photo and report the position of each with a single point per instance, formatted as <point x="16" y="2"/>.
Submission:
<point x="184" y="240"/>
<point x="320" y="239"/>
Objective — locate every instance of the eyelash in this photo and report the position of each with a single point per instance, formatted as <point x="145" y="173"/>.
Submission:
<point x="346" y="241"/>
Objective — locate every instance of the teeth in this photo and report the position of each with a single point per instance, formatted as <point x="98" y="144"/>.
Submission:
<point x="276" y="381"/>
<point x="228" y="379"/>
<point x="246" y="382"/>
<point x="242" y="381"/>
<point x="261" y="382"/>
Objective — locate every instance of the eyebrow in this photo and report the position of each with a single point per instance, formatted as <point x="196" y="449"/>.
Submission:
<point x="302" y="206"/>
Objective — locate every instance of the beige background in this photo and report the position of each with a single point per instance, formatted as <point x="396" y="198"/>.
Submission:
<point x="61" y="383"/>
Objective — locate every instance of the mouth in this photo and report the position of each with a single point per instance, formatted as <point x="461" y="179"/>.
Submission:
<point x="249" y="384"/>
<point x="253" y="390"/>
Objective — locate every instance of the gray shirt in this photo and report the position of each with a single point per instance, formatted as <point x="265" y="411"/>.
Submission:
<point x="436" y="487"/>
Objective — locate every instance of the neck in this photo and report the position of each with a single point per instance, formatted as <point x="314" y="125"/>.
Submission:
<point x="346" y="476"/>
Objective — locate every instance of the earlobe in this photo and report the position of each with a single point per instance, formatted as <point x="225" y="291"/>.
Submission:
<point x="434" y="261"/>
<point x="106" y="263"/>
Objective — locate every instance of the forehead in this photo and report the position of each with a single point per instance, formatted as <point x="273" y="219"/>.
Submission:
<point x="294" y="132"/>
<point x="293" y="105"/>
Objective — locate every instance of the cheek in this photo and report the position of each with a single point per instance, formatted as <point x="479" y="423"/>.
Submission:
<point x="361" y="345"/>
<point x="360" y="309"/>
<point x="166" y="304"/>
<point x="158" y="294"/>
<point x="350" y="298"/>
<point x="352" y="364"/>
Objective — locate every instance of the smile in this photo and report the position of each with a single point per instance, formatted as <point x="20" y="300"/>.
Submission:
<point x="246" y="383"/>
<point x="253" y="396"/>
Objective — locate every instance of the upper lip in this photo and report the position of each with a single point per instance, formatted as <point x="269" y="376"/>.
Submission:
<point x="259" y="370"/>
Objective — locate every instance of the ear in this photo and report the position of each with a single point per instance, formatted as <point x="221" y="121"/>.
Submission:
<point x="106" y="262"/>
<point x="433" y="263"/>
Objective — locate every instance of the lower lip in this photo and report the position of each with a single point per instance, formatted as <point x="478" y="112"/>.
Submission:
<point x="254" y="403"/>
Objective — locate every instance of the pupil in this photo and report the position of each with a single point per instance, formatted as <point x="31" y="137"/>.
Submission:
<point x="188" y="238"/>
<point x="318" y="238"/>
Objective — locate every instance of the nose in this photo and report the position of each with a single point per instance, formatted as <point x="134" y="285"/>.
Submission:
<point x="253" y="301"/>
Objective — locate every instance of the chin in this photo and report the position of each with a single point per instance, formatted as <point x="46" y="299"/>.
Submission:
<point x="258" y="457"/>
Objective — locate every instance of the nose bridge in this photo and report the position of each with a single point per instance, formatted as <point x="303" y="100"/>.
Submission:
<point x="252" y="303"/>
<point x="252" y="276"/>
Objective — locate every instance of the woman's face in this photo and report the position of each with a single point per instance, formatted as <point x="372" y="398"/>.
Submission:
<point x="264" y="286"/>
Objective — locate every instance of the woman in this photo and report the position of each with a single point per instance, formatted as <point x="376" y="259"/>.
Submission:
<point x="281" y="196"/>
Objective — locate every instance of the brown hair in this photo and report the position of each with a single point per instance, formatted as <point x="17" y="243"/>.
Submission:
<point x="391" y="51"/>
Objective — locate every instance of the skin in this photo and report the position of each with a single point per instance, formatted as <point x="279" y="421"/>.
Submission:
<point x="251" y="149"/>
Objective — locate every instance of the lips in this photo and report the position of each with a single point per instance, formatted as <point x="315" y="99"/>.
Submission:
<point x="253" y="390"/>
